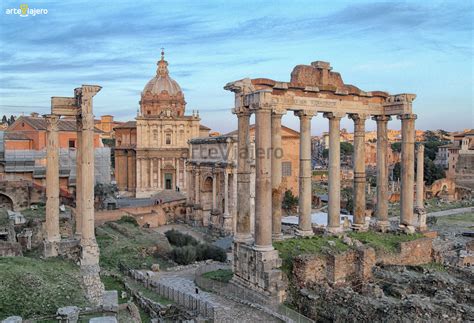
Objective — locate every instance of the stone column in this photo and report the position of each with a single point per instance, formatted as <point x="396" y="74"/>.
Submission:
<point x="90" y="250"/>
<point x="189" y="188"/>
<point x="305" y="189"/>
<point x="420" y="185"/>
<point x="197" y="188"/>
<point x="263" y="183"/>
<point x="52" y="186"/>
<point x="277" y="156"/>
<point x="79" y="177"/>
<point x="214" y="189"/>
<point x="226" y="193"/>
<point x="382" y="173"/>
<point x="359" y="171"/>
<point x="139" y="173"/>
<point x="243" y="178"/>
<point x="407" y="172"/>
<point x="334" y="186"/>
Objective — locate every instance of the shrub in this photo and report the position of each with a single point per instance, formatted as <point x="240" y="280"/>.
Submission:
<point x="128" y="219"/>
<point x="179" y="239"/>
<point x="184" y="255"/>
<point x="207" y="251"/>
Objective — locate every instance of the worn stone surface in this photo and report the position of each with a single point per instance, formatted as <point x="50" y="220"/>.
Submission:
<point x="13" y="319"/>
<point x="69" y="314"/>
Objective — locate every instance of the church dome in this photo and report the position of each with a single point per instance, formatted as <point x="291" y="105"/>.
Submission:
<point x="162" y="95"/>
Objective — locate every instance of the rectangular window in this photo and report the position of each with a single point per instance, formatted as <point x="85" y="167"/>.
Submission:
<point x="168" y="139"/>
<point x="72" y="143"/>
<point x="286" y="168"/>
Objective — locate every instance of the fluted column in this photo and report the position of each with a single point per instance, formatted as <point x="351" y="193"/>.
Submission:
<point x="359" y="170"/>
<point x="381" y="210"/>
<point x="263" y="183"/>
<point x="407" y="171"/>
<point x="420" y="186"/>
<point x="277" y="156"/>
<point x="334" y="186"/>
<point x="79" y="177"/>
<point x="305" y="189"/>
<point x="243" y="177"/>
<point x="52" y="181"/>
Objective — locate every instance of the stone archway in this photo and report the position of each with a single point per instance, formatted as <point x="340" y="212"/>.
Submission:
<point x="206" y="198"/>
<point x="6" y="202"/>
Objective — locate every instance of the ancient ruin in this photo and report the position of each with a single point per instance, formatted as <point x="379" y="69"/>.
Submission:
<point x="80" y="107"/>
<point x="312" y="89"/>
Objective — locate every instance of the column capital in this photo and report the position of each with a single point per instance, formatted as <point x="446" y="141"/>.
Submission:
<point x="241" y="112"/>
<point x="358" y="117"/>
<point x="382" y="118"/>
<point x="334" y="115"/>
<point x="52" y="122"/>
<point x="420" y="147"/>
<point x="305" y="113"/>
<point x="278" y="113"/>
<point x="407" y="116"/>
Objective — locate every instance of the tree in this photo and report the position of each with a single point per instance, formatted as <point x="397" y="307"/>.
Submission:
<point x="12" y="119"/>
<point x="348" y="196"/>
<point x="396" y="171"/>
<point x="396" y="146"/>
<point x="290" y="202"/>
<point x="4" y="119"/>
<point x="431" y="171"/>
<point x="103" y="191"/>
<point x="347" y="149"/>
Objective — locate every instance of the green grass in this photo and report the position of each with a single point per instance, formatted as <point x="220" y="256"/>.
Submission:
<point x="221" y="275"/>
<point x="387" y="242"/>
<point x="129" y="249"/>
<point x="464" y="220"/>
<point x="34" y="287"/>
<point x="114" y="283"/>
<point x="290" y="248"/>
<point x="434" y="205"/>
<point x="434" y="266"/>
<point x="30" y="214"/>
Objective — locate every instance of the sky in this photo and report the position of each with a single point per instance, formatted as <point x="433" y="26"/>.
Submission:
<point x="421" y="47"/>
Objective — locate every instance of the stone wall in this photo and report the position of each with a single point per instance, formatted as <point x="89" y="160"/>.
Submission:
<point x="10" y="249"/>
<point x="357" y="265"/>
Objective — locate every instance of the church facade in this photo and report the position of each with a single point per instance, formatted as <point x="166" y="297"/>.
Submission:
<point x="151" y="152"/>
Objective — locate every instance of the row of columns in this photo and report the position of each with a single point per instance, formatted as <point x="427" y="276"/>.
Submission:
<point x="84" y="176"/>
<point x="268" y="195"/>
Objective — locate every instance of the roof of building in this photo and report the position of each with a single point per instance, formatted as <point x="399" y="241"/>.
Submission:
<point x="128" y="124"/>
<point x="203" y="127"/>
<point x="40" y="123"/>
<point x="16" y="135"/>
<point x="252" y="127"/>
<point x="162" y="82"/>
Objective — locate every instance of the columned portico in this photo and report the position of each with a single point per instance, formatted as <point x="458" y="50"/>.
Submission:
<point x="243" y="177"/>
<point x="52" y="187"/>
<point x="334" y="185"/>
<point x="359" y="171"/>
<point x="381" y="211"/>
<point x="407" y="172"/>
<point x="304" y="223"/>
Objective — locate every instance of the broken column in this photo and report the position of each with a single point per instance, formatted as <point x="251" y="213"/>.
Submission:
<point x="52" y="187"/>
<point x="78" y="213"/>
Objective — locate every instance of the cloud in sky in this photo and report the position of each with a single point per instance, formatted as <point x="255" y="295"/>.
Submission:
<point x="420" y="47"/>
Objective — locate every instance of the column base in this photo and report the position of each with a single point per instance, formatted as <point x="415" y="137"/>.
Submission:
<point x="243" y="238"/>
<point x="277" y="236"/>
<point x="334" y="230"/>
<point x="258" y="270"/>
<point x="89" y="253"/>
<point x="304" y="233"/>
<point x="50" y="249"/>
<point x="382" y="226"/>
<point x="408" y="229"/>
<point x="359" y="227"/>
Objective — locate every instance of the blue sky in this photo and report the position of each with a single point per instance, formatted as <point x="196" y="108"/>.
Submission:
<point x="422" y="47"/>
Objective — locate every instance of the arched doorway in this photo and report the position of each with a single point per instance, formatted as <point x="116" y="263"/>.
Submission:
<point x="206" y="199"/>
<point x="6" y="202"/>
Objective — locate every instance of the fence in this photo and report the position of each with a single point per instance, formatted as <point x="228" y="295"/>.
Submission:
<point x="246" y="296"/>
<point x="189" y="301"/>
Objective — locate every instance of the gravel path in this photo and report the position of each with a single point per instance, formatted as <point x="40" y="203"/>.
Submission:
<point x="233" y="311"/>
<point x="443" y="213"/>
